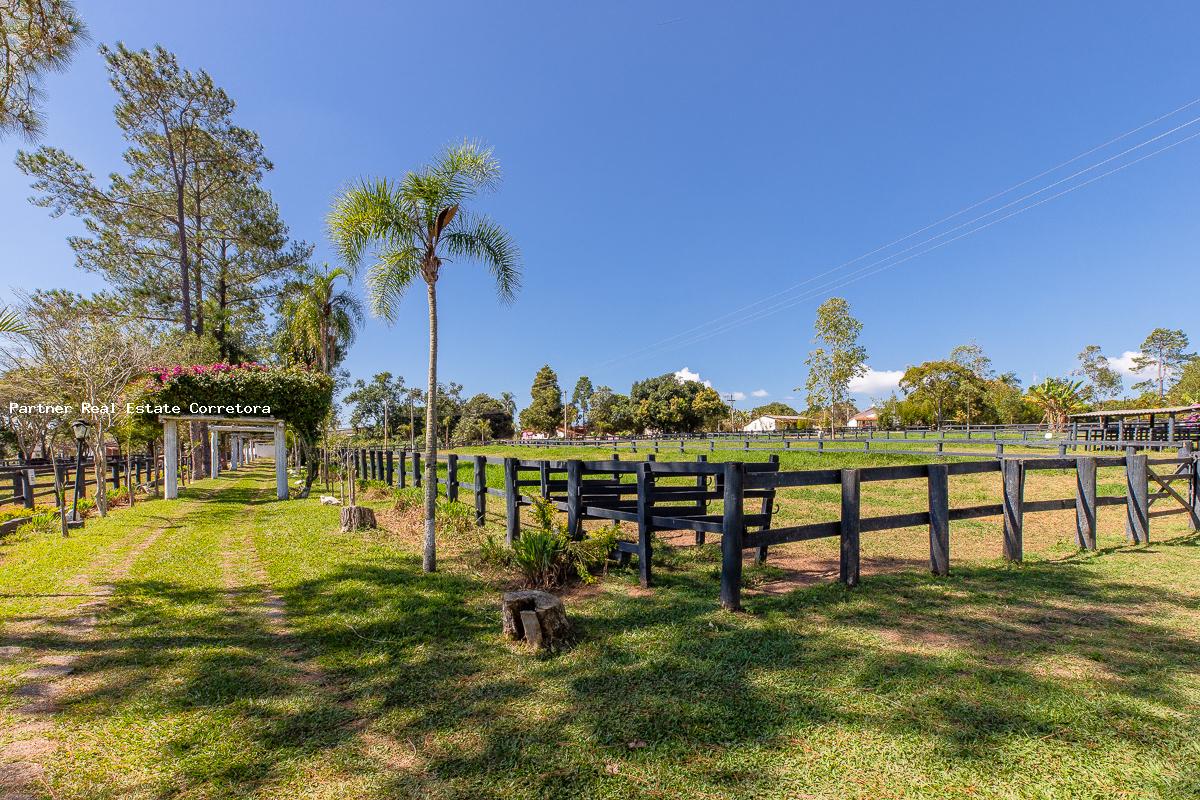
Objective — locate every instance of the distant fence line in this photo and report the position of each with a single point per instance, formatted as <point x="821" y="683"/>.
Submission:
<point x="1086" y="436"/>
<point x="675" y="496"/>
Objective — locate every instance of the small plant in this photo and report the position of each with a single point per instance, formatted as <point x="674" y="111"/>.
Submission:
<point x="546" y="556"/>
<point x="493" y="551"/>
<point x="406" y="499"/>
<point x="42" y="521"/>
<point x="454" y="516"/>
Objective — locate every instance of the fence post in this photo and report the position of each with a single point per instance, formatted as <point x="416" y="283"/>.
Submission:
<point x="733" y="528"/>
<point x="645" y="549"/>
<point x="416" y="464"/>
<point x="452" y="477"/>
<point x="1085" y="503"/>
<point x="402" y="475"/>
<point x="30" y="480"/>
<point x="851" y="500"/>
<point x="512" y="501"/>
<point x="1137" y="513"/>
<point x="1194" y="492"/>
<point x="544" y="478"/>
<point x="480" y="477"/>
<point x="939" y="519"/>
<point x="575" y="498"/>
<point x="760" y="554"/>
<point x="390" y="476"/>
<point x="702" y="504"/>
<point x="1014" y="499"/>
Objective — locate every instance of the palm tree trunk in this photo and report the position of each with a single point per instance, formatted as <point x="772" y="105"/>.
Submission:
<point x="430" y="559"/>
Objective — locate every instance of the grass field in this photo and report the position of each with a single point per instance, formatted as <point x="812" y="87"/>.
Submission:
<point x="227" y="645"/>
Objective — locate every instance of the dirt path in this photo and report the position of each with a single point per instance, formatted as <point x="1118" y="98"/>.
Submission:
<point x="54" y="645"/>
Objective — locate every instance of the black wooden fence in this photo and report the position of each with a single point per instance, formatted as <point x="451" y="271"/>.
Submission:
<point x="26" y="483"/>
<point x="676" y="496"/>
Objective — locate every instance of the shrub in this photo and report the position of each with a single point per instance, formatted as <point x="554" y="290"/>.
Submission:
<point x="546" y="556"/>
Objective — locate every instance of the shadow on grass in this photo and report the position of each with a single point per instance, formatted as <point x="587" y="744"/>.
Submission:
<point x="966" y="665"/>
<point x="957" y="670"/>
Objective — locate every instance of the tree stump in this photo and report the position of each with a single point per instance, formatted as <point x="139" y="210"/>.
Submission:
<point x="356" y="518"/>
<point x="537" y="617"/>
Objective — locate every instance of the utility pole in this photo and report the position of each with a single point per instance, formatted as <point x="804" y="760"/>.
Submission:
<point x="562" y="398"/>
<point x="729" y="397"/>
<point x="385" y="423"/>
<point x="412" y="424"/>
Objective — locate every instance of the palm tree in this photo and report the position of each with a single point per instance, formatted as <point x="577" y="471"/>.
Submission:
<point x="412" y="227"/>
<point x="1058" y="399"/>
<point x="11" y="322"/>
<point x="319" y="318"/>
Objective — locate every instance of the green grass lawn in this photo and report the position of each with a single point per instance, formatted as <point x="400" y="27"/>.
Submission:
<point x="1068" y="676"/>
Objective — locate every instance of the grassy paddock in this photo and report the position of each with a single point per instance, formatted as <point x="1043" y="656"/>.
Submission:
<point x="1073" y="678"/>
<point x="1048" y="535"/>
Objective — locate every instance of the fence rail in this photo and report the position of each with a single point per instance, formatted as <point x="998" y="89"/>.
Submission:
<point x="633" y="491"/>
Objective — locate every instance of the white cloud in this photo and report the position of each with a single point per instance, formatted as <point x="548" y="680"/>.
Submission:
<point x="877" y="382"/>
<point x="1124" y="364"/>
<point x="759" y="393"/>
<point x="738" y="396"/>
<point x="684" y="375"/>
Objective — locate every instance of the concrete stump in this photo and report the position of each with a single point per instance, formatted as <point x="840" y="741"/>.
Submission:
<point x="538" y="618"/>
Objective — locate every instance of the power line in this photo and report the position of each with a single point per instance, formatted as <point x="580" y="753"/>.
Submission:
<point x="867" y="271"/>
<point x="775" y="297"/>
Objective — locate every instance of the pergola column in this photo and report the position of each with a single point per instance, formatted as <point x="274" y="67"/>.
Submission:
<point x="170" y="459"/>
<point x="281" y="478"/>
<point x="235" y="443"/>
<point x="214" y="447"/>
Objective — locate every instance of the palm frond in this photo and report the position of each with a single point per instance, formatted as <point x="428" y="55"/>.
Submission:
<point x="390" y="278"/>
<point x="12" y="323"/>
<point x="371" y="214"/>
<point x="481" y="239"/>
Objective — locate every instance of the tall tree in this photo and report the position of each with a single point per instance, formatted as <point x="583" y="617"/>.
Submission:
<point x="838" y="359"/>
<point x="87" y="355"/>
<point x="581" y="398"/>
<point x="319" y="321"/>
<point x="1103" y="382"/>
<point x="937" y="383"/>
<point x="413" y="227"/>
<point x="972" y="357"/>
<point x="36" y="37"/>
<point x="1186" y="390"/>
<point x="184" y="151"/>
<point x="672" y="404"/>
<point x="545" y="411"/>
<point x="1163" y="354"/>
<point x="374" y="402"/>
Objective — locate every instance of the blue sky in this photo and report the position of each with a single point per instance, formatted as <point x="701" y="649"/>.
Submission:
<point x="668" y="163"/>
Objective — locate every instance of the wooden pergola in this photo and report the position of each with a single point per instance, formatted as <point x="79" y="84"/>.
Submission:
<point x="244" y="433"/>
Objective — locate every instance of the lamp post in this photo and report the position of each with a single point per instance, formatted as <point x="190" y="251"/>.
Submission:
<point x="80" y="429"/>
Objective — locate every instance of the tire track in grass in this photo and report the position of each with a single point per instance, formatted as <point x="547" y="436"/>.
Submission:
<point x="386" y="753"/>
<point x="21" y="767"/>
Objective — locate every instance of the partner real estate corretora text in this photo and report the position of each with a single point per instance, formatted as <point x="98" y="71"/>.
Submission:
<point x="138" y="408"/>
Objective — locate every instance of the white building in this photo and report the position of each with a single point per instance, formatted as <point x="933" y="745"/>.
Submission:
<point x="770" y="423"/>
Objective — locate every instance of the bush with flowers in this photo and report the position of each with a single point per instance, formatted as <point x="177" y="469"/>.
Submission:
<point x="300" y="397"/>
